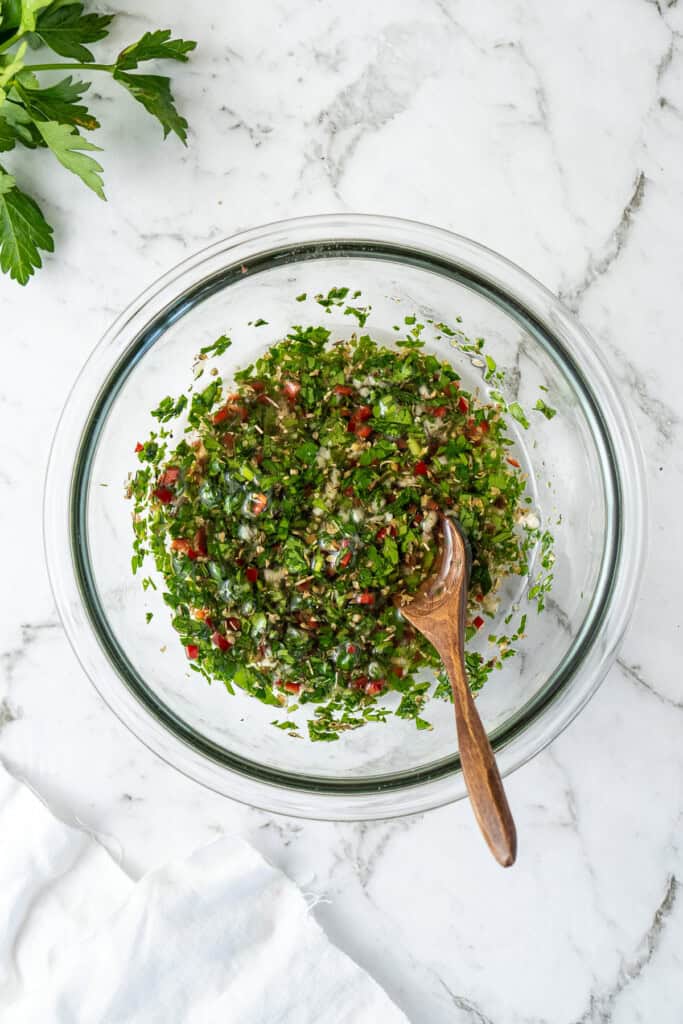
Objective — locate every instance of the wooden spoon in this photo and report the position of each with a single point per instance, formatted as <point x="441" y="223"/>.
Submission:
<point x="438" y="611"/>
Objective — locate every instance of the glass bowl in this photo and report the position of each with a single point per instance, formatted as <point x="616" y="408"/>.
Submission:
<point x="584" y="468"/>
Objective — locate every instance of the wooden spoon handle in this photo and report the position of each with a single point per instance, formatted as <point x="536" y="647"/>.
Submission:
<point x="479" y="767"/>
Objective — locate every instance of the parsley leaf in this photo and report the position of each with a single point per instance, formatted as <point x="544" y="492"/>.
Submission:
<point x="518" y="413"/>
<point x="65" y="29"/>
<point x="58" y="103"/>
<point x="23" y="231"/>
<point x="8" y="135"/>
<point x="10" y="16"/>
<point x="29" y="13"/>
<point x="154" y="46"/>
<point x="52" y="116"/>
<point x="154" y="93"/>
<point x="16" y="125"/>
<point x="10" y="65"/>
<point x="219" y="346"/>
<point x="547" y="410"/>
<point x="66" y="144"/>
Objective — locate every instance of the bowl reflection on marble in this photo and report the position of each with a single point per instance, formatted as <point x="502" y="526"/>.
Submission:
<point x="585" y="478"/>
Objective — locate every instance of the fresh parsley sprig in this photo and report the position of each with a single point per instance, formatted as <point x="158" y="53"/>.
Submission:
<point x="53" y="116"/>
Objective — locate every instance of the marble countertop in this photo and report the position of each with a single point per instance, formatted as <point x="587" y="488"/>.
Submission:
<point x="553" y="134"/>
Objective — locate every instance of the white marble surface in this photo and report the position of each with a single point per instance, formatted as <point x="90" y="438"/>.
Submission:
<point x="552" y="133"/>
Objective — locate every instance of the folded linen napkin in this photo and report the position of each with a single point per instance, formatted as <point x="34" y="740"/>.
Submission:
<point x="219" y="936"/>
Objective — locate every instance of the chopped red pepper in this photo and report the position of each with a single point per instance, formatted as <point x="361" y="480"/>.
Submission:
<point x="233" y="623"/>
<point x="438" y="411"/>
<point x="513" y="462"/>
<point x="192" y="651"/>
<point x="365" y="598"/>
<point x="203" y="616"/>
<point x="164" y="495"/>
<point x="463" y="404"/>
<point x="345" y="559"/>
<point x="292" y="687"/>
<point x="420" y="468"/>
<point x="252" y="574"/>
<point x="451" y="388"/>
<point x="291" y="389"/>
<point x="200" y="541"/>
<point x="398" y="670"/>
<point x="363" y="432"/>
<point x="360" y="683"/>
<point x="184" y="547"/>
<point x="139" y="447"/>
<point x="221" y="642"/>
<point x="231" y="411"/>
<point x="373" y="688"/>
<point x="258" y="503"/>
<point x="258" y="386"/>
<point x="169" y="476"/>
<point x="359" y="415"/>
<point x="348" y="492"/>
<point x="342" y="389"/>
<point x="386" y="531"/>
<point x="478" y="622"/>
<point x="351" y="648"/>
<point x="484" y="426"/>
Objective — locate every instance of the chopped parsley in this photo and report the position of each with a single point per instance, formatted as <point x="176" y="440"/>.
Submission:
<point x="304" y="494"/>
<point x="547" y="411"/>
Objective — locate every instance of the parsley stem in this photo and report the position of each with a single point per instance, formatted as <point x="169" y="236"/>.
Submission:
<point x="69" y="67"/>
<point x="11" y="41"/>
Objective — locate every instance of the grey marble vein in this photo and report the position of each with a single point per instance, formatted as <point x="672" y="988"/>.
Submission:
<point x="474" y="1013"/>
<point x="8" y="713"/>
<point x="598" y="266"/>
<point x="255" y="132"/>
<point x="371" y="842"/>
<point x="656" y="410"/>
<point x="30" y="632"/>
<point x="372" y="100"/>
<point x="601" y="1006"/>
<point x="635" y="674"/>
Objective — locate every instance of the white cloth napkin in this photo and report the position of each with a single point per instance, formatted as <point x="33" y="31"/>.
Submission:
<point x="221" y="936"/>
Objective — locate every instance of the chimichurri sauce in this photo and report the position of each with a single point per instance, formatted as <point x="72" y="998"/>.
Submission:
<point x="304" y="496"/>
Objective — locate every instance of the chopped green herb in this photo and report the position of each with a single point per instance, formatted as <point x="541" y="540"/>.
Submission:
<point x="306" y="498"/>
<point x="517" y="413"/>
<point x="219" y="346"/>
<point x="547" y="410"/>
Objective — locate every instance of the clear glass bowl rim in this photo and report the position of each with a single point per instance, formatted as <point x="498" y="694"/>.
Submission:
<point x="527" y="300"/>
